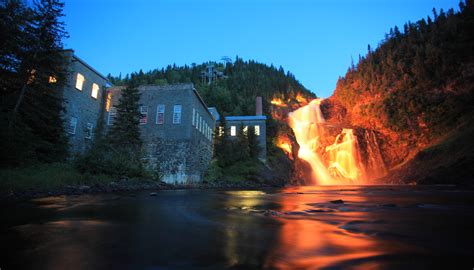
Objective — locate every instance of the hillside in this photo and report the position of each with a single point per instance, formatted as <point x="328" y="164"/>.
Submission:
<point x="415" y="88"/>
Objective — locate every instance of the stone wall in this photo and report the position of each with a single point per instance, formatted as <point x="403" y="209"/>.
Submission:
<point x="180" y="153"/>
<point x="80" y="104"/>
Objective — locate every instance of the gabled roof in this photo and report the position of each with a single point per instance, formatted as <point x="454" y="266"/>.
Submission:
<point x="246" y="118"/>
<point x="88" y="66"/>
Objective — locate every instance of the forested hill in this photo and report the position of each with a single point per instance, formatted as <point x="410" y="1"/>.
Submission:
<point x="418" y="81"/>
<point x="233" y="95"/>
<point x="417" y="86"/>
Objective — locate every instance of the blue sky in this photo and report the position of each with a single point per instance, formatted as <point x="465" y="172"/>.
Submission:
<point x="315" y="40"/>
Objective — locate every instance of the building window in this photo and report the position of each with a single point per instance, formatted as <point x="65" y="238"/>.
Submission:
<point x="79" y="81"/>
<point x="233" y="130"/>
<point x="160" y="114"/>
<point x="71" y="127"/>
<point x="177" y="114"/>
<point x="89" y="129"/>
<point x="108" y="102"/>
<point x="221" y="130"/>
<point x="112" y="115"/>
<point x="95" y="90"/>
<point x="245" y="129"/>
<point x="52" y="79"/>
<point x="143" y="115"/>
<point x="194" y="116"/>
<point x="198" y="125"/>
<point x="257" y="130"/>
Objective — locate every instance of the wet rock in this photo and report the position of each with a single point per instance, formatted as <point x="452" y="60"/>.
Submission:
<point x="320" y="210"/>
<point x="84" y="188"/>
<point x="296" y="213"/>
<point x="272" y="213"/>
<point x="389" y="205"/>
<point x="153" y="194"/>
<point x="337" y="201"/>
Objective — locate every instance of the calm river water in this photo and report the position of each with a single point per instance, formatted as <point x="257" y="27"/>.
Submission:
<point x="385" y="227"/>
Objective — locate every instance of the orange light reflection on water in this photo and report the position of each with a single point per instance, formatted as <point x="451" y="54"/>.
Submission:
<point x="308" y="242"/>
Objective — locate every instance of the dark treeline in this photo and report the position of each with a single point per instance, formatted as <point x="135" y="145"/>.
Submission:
<point x="32" y="69"/>
<point x="419" y="80"/>
<point x="234" y="95"/>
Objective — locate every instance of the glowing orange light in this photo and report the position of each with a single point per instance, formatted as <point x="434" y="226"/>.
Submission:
<point x="342" y="166"/>
<point x="278" y="102"/>
<point x="301" y="99"/>
<point x="284" y="144"/>
<point x="108" y="102"/>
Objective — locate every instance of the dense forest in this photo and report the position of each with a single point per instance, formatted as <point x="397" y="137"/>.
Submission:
<point x="419" y="81"/>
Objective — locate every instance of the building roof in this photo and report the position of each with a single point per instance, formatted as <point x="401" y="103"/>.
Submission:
<point x="245" y="118"/>
<point x="89" y="67"/>
<point x="215" y="113"/>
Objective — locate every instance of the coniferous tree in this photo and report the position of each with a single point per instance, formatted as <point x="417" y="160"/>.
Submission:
<point x="125" y="133"/>
<point x="254" y="147"/>
<point x="241" y="146"/>
<point x="31" y="103"/>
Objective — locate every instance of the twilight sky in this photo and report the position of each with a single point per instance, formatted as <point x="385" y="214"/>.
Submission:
<point x="312" y="39"/>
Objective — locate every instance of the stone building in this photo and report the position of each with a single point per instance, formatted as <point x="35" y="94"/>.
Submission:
<point x="176" y="127"/>
<point x="83" y="101"/>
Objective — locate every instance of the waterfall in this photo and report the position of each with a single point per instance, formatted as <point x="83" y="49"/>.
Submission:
<point x="345" y="161"/>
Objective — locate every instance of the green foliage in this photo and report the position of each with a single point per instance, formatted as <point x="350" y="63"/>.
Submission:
<point x="46" y="176"/>
<point x="422" y="77"/>
<point x="30" y="105"/>
<point x="119" y="153"/>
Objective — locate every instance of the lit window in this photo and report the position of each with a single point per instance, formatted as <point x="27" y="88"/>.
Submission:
<point x="108" y="102"/>
<point x="89" y="129"/>
<point x="245" y="129"/>
<point x="257" y="130"/>
<point x="112" y="115"/>
<point x="71" y="128"/>
<point x="32" y="77"/>
<point x="233" y="130"/>
<point x="160" y="114"/>
<point x="143" y="115"/>
<point x="221" y="130"/>
<point x="177" y="114"/>
<point x="95" y="90"/>
<point x="79" y="81"/>
<point x="52" y="79"/>
<point x="194" y="116"/>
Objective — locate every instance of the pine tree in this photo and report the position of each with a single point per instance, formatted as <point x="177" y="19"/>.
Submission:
<point x="32" y="105"/>
<point x="125" y="133"/>
<point x="242" y="145"/>
<point x="254" y="147"/>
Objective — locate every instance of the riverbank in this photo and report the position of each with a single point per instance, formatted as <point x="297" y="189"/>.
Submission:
<point x="123" y="185"/>
<point x="62" y="179"/>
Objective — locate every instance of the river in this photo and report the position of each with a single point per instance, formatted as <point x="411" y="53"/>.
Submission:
<point x="373" y="227"/>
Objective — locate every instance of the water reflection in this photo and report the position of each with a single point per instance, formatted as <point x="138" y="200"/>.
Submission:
<point x="294" y="228"/>
<point x="315" y="241"/>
